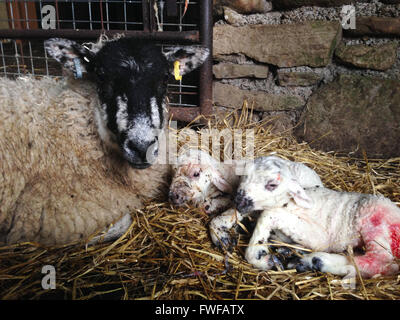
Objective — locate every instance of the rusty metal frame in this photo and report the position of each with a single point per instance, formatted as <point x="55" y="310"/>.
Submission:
<point x="203" y="37"/>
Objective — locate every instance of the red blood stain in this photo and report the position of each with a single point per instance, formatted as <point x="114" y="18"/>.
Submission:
<point x="369" y="264"/>
<point x="395" y="237"/>
<point x="376" y="219"/>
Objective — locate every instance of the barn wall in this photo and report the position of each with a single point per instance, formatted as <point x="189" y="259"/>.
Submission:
<point x="295" y="64"/>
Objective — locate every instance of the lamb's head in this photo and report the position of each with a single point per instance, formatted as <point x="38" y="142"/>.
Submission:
<point x="268" y="183"/>
<point x="196" y="175"/>
<point x="131" y="78"/>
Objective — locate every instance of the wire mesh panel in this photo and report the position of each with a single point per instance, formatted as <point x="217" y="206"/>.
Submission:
<point x="21" y="57"/>
<point x="26" y="55"/>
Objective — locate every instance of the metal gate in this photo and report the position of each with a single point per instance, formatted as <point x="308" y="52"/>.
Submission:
<point x="166" y="22"/>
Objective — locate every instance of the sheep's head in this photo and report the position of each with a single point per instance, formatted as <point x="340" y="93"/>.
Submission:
<point x="131" y="78"/>
<point x="268" y="183"/>
<point x="196" y="175"/>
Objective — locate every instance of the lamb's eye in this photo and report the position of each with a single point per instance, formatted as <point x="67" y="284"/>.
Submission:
<point x="271" y="186"/>
<point x="196" y="174"/>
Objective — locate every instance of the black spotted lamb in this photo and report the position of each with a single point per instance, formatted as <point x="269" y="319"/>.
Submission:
<point x="326" y="221"/>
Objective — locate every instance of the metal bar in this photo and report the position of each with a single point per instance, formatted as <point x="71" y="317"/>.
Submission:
<point x="90" y="15"/>
<point x="185" y="37"/>
<point x="73" y="15"/>
<point x="26" y="15"/>
<point x="3" y="59"/>
<point x="46" y="60"/>
<point x="31" y="56"/>
<point x="57" y="15"/>
<point x="16" y="56"/>
<point x="27" y="57"/>
<point x="185" y="114"/>
<point x="125" y="17"/>
<point x="180" y="17"/>
<point x="101" y="14"/>
<point x="108" y="18"/>
<point x="206" y="36"/>
<point x="21" y="50"/>
<point x="146" y="16"/>
<point x="16" y="19"/>
<point x="31" y="15"/>
<point x="152" y="16"/>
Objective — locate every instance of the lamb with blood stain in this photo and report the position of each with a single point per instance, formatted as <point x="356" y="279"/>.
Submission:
<point x="326" y="221"/>
<point x="376" y="232"/>
<point x="380" y="240"/>
<point x="395" y="238"/>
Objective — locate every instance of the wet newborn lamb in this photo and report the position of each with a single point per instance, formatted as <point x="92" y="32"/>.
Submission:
<point x="211" y="185"/>
<point x="203" y="181"/>
<point x="321" y="219"/>
<point x="221" y="225"/>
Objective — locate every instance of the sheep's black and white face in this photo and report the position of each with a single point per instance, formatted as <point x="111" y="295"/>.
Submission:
<point x="131" y="78"/>
<point x="268" y="183"/>
<point x="259" y="186"/>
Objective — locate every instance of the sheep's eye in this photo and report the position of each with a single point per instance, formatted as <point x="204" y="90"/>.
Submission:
<point x="196" y="174"/>
<point x="271" y="186"/>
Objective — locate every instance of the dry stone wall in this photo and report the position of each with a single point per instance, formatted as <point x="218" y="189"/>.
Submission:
<point x="296" y="65"/>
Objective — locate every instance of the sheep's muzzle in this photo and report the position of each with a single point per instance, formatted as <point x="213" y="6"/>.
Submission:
<point x="243" y="203"/>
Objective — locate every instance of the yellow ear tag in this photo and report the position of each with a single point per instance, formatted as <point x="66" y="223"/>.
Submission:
<point x="177" y="70"/>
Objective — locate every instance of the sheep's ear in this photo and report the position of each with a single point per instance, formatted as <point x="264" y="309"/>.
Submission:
<point x="189" y="58"/>
<point x="70" y="54"/>
<point x="299" y="195"/>
<point x="218" y="180"/>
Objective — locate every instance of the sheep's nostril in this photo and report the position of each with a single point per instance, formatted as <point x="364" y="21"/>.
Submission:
<point x="243" y="204"/>
<point x="175" y="198"/>
<point x="239" y="198"/>
<point x="171" y="196"/>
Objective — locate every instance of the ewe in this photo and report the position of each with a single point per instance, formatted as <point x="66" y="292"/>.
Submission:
<point x="73" y="161"/>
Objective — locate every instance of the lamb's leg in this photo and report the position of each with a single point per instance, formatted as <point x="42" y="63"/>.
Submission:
<point x="286" y="252"/>
<point x="217" y="204"/>
<point x="257" y="252"/>
<point x="380" y="232"/>
<point x="221" y="225"/>
<point x="376" y="260"/>
<point x="378" y="257"/>
<point x="283" y="223"/>
<point x="324" y="262"/>
<point x="115" y="231"/>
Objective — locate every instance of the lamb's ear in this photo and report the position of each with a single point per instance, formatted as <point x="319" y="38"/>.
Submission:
<point x="299" y="195"/>
<point x="189" y="58"/>
<point x="70" y="54"/>
<point x="219" y="181"/>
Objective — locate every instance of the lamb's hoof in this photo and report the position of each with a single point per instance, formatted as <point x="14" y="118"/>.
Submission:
<point x="273" y="261"/>
<point x="226" y="243"/>
<point x="300" y="268"/>
<point x="305" y="265"/>
<point x="277" y="263"/>
<point x="317" y="264"/>
<point x="261" y="253"/>
<point x="284" y="251"/>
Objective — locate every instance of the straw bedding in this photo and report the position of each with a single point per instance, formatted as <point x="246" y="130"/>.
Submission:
<point x="167" y="252"/>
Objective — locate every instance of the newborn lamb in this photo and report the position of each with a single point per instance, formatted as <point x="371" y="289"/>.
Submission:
<point x="321" y="219"/>
<point x="203" y="181"/>
<point x="211" y="185"/>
